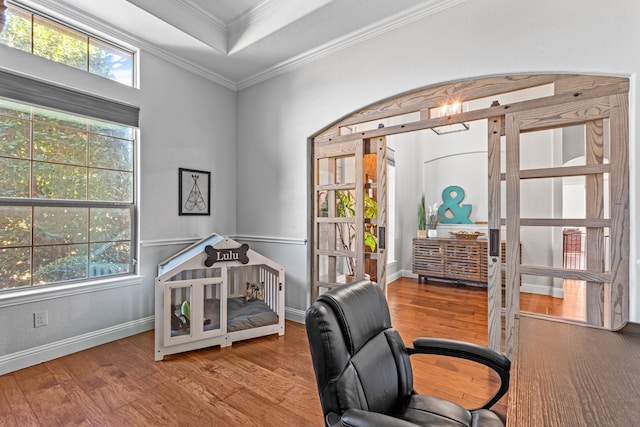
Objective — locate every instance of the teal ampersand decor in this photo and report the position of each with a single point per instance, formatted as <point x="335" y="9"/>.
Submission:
<point x="451" y="198"/>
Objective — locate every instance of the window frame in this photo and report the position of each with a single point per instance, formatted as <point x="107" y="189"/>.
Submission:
<point x="77" y="31"/>
<point x="130" y="115"/>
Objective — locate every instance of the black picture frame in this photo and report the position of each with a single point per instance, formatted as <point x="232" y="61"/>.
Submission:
<point x="194" y="192"/>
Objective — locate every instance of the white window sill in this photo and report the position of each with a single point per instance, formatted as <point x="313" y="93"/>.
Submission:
<point x="41" y="293"/>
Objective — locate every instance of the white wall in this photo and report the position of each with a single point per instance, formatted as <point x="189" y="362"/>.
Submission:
<point x="472" y="39"/>
<point x="185" y="121"/>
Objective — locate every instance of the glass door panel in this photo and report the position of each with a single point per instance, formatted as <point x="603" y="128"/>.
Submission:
<point x="349" y="201"/>
<point x="567" y="212"/>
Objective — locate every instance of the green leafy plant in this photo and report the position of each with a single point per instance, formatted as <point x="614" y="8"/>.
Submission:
<point x="422" y="214"/>
<point x="345" y="208"/>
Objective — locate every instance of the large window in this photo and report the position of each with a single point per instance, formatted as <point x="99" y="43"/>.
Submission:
<point x="67" y="201"/>
<point x="40" y="35"/>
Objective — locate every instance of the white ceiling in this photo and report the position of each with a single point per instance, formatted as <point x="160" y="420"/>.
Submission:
<point x="238" y="43"/>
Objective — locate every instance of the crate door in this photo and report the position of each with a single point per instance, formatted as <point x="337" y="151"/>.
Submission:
<point x="349" y="213"/>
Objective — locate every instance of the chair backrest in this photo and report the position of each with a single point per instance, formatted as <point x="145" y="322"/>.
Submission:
<point x="360" y="361"/>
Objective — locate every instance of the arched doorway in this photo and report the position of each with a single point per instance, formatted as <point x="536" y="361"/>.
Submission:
<point x="597" y="104"/>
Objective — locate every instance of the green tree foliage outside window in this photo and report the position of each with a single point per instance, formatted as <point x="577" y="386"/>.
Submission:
<point x="35" y="34"/>
<point x="66" y="197"/>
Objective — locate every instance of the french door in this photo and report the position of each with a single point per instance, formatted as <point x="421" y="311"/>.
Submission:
<point x="349" y="212"/>
<point x="601" y="127"/>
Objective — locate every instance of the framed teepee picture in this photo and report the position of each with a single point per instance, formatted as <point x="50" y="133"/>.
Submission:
<point x="194" y="192"/>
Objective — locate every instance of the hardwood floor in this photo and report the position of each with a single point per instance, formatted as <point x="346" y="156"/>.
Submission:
<point x="266" y="381"/>
<point x="571" y="307"/>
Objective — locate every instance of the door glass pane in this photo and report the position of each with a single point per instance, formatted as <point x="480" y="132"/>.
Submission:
<point x="564" y="197"/>
<point x="568" y="302"/>
<point x="335" y="269"/>
<point x="371" y="268"/>
<point x="345" y="267"/>
<point x="537" y="150"/>
<point x="323" y="204"/>
<point x="328" y="232"/>
<point x="564" y="147"/>
<point x="345" y="204"/>
<point x="325" y="174"/>
<point x="564" y="247"/>
<point x="346" y="237"/>
<point x="323" y="270"/>
<point x="339" y="170"/>
<point x="345" y="170"/>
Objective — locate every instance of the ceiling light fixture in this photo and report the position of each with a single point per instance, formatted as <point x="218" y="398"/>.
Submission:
<point x="448" y="110"/>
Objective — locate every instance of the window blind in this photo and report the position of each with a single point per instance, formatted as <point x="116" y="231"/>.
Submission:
<point x="45" y="94"/>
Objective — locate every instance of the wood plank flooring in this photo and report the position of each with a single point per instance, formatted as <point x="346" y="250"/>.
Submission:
<point x="266" y="381"/>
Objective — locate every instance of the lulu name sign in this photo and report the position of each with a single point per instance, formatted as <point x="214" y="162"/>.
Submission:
<point x="228" y="254"/>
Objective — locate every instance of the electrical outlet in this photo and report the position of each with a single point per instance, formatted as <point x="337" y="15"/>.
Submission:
<point x="41" y="318"/>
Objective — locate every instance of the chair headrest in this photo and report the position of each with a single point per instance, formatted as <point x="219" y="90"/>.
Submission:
<point x="361" y="309"/>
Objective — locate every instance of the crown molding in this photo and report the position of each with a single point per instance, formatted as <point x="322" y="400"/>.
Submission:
<point x="391" y="23"/>
<point x="267" y="18"/>
<point x="188" y="65"/>
<point x="209" y="20"/>
<point x="202" y="14"/>
<point x="242" y="22"/>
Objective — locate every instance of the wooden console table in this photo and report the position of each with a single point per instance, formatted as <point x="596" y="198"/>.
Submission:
<point x="569" y="375"/>
<point x="451" y="259"/>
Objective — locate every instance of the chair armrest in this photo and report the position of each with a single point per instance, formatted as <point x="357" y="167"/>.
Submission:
<point x="465" y="350"/>
<point x="360" y="418"/>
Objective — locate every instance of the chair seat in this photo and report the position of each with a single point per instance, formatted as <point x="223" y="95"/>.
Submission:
<point x="431" y="411"/>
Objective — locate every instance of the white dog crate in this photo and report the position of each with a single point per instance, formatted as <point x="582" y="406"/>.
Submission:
<point x="215" y="292"/>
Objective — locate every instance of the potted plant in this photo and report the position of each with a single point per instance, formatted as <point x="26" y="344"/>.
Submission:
<point x="422" y="219"/>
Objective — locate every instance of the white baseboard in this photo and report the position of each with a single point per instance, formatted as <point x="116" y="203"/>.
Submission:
<point x="542" y="290"/>
<point x="394" y="276"/>
<point x="33" y="356"/>
<point x="526" y="287"/>
<point x="294" y="314"/>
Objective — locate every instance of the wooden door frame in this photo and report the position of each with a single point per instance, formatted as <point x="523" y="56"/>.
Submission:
<point x="566" y="88"/>
<point x="362" y="151"/>
<point x="604" y="289"/>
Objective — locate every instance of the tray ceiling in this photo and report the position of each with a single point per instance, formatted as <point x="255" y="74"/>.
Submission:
<point x="238" y="43"/>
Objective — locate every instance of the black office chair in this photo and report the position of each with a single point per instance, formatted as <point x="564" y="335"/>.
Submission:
<point x="363" y="369"/>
